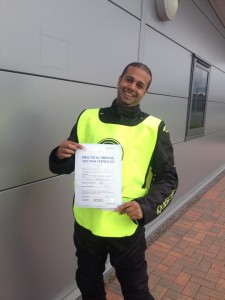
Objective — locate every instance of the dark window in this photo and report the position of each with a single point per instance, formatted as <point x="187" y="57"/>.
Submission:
<point x="198" y="98"/>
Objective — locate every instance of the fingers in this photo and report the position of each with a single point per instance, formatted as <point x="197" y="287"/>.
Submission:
<point x="67" y="149"/>
<point x="132" y="209"/>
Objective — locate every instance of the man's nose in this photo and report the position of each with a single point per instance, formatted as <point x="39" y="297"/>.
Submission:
<point x="132" y="85"/>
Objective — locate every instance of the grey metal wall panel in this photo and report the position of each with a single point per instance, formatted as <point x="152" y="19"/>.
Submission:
<point x="215" y="117"/>
<point x="210" y="13"/>
<point x="196" y="160"/>
<point x="192" y="30"/>
<point x="196" y="164"/>
<point x="217" y="85"/>
<point x="170" y="65"/>
<point x="133" y="6"/>
<point x="172" y="110"/>
<point x="36" y="115"/>
<point x="37" y="254"/>
<point x="83" y="40"/>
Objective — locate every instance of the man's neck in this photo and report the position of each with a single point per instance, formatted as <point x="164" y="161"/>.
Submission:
<point x="127" y="108"/>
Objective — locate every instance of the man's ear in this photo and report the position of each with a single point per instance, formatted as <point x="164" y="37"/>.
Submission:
<point x="119" y="79"/>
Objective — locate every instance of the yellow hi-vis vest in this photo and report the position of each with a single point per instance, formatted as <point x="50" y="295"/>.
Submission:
<point x="138" y="143"/>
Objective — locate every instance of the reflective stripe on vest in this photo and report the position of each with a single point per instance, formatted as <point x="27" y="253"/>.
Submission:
<point x="138" y="143"/>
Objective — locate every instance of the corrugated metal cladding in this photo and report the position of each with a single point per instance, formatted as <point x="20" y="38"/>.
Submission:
<point x="59" y="57"/>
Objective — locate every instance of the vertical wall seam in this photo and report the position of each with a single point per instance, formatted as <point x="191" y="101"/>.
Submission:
<point x="142" y="32"/>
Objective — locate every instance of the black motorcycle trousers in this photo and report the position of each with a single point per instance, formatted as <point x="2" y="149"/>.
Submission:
<point x="127" y="256"/>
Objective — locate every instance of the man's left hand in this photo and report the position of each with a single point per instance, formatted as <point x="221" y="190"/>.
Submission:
<point x="132" y="209"/>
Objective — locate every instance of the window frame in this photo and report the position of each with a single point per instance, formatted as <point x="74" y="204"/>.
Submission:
<point x="192" y="133"/>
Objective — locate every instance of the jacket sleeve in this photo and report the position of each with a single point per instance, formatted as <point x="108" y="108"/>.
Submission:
<point x="165" y="179"/>
<point x="63" y="166"/>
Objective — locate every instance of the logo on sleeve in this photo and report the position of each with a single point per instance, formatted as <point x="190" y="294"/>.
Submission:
<point x="165" y="129"/>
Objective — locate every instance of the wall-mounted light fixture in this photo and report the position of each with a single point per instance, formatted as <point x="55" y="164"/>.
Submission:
<point x="167" y="9"/>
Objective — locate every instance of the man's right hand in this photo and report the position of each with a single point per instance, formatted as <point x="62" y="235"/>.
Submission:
<point x="67" y="149"/>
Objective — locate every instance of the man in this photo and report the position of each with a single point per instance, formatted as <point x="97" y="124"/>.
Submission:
<point x="149" y="182"/>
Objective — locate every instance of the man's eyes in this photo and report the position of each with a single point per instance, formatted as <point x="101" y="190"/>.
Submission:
<point x="129" y="79"/>
<point x="139" y="85"/>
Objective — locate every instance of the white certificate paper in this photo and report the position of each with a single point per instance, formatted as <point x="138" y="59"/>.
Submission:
<point x="98" y="176"/>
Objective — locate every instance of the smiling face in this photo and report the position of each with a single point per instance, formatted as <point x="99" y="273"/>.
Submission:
<point x="132" y="87"/>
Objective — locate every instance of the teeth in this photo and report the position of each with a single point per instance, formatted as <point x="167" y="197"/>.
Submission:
<point x="128" y="94"/>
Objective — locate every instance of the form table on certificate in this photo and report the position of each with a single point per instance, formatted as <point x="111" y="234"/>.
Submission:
<point x="98" y="176"/>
